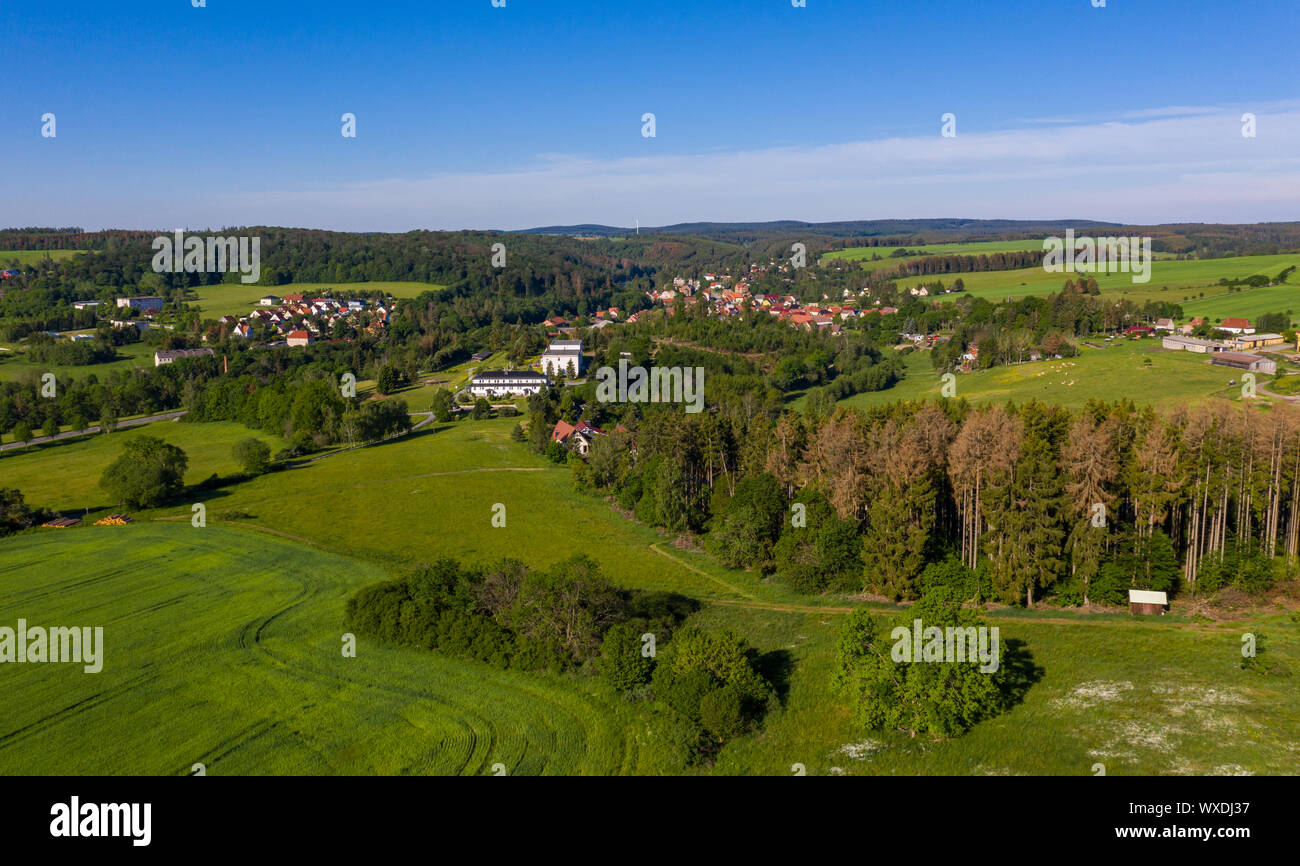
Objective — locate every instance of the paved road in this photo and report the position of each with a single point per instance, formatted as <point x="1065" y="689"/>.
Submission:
<point x="71" y="434"/>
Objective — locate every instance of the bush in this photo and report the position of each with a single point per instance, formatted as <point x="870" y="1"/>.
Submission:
<point x="943" y="698"/>
<point x="621" y="662"/>
<point x="722" y="713"/>
<point x="148" y="473"/>
<point x="252" y="454"/>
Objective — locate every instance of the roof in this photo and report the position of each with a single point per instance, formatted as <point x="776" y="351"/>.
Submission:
<point x="301" y="335"/>
<point x="1235" y="323"/>
<point x="182" y="353"/>
<point x="562" y="430"/>
<point x="1237" y="358"/>
<point x="1260" y="337"/>
<point x="1192" y="341"/>
<point x="1146" y="596"/>
<point x="510" y="374"/>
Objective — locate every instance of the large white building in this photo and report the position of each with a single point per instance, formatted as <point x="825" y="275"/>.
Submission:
<point x="169" y="356"/>
<point x="151" y="305"/>
<point x="497" y="383"/>
<point x="562" y="355"/>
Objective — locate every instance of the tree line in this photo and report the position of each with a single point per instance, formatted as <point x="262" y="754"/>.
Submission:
<point x="1009" y="503"/>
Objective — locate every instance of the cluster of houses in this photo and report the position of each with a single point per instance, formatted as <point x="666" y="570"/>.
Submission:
<point x="726" y="298"/>
<point x="301" y="321"/>
<point x="600" y="319"/>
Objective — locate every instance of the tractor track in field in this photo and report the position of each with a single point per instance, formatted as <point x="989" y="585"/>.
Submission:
<point x="477" y="726"/>
<point x="78" y="707"/>
<point x="255" y="731"/>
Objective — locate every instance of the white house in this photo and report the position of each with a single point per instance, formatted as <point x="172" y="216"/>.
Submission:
<point x="496" y="383"/>
<point x="562" y="355"/>
<point x="1236" y="326"/>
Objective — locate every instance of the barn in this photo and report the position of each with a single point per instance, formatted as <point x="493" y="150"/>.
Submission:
<point x="1146" y="602"/>
<point x="1243" y="361"/>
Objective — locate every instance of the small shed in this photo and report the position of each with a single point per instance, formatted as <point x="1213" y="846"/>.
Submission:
<point x="1147" y="602"/>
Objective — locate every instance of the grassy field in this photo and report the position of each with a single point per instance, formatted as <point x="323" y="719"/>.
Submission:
<point x="1175" y="281"/>
<point x="1142" y="696"/>
<point x="1248" y="303"/>
<point x="14" y="363"/>
<point x="971" y="248"/>
<point x="224" y="647"/>
<point x="18" y="258"/>
<point x="1118" y="370"/>
<point x="237" y="299"/>
<point x="404" y="502"/>
<point x="65" y="475"/>
<point x="223" y="642"/>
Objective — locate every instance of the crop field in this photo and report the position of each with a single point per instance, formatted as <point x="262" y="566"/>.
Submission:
<point x="223" y="647"/>
<point x="1248" y="303"/>
<point x="1119" y="369"/>
<point x="237" y="299"/>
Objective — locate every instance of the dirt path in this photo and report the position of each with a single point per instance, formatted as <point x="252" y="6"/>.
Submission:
<point x="686" y="565"/>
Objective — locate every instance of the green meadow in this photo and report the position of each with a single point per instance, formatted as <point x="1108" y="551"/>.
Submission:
<point x="223" y="642"/>
<point x="1173" y="280"/>
<point x="64" y="475"/>
<point x="971" y="248"/>
<point x="1248" y="303"/>
<point x="1141" y="696"/>
<point x="18" y="258"/>
<point x="237" y="299"/>
<point x="1119" y="369"/>
<point x="14" y="364"/>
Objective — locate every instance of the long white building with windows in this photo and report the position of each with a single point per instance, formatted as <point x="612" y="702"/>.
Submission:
<point x="500" y="383"/>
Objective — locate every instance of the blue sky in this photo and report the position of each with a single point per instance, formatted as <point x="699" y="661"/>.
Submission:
<point x="470" y="116"/>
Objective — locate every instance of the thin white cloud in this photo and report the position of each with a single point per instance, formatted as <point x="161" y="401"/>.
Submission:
<point x="1179" y="165"/>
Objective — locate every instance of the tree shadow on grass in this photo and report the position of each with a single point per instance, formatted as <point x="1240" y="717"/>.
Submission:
<point x="1021" y="672"/>
<point x="777" y="666"/>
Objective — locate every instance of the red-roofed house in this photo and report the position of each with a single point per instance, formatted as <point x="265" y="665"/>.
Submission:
<point x="577" y="437"/>
<point x="1237" y="326"/>
<point x="300" y="338"/>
